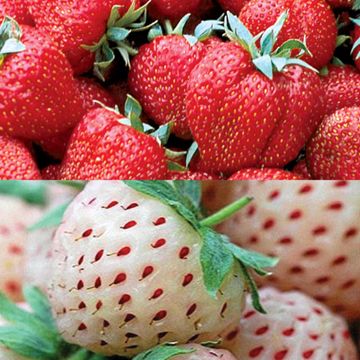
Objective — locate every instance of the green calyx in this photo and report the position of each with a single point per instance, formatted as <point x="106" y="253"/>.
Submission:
<point x="116" y="38"/>
<point x="265" y="58"/>
<point x="357" y="42"/>
<point x="10" y="38"/>
<point x="356" y="5"/>
<point x="201" y="33"/>
<point x="218" y="254"/>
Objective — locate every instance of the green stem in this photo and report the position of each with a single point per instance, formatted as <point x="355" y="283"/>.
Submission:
<point x="226" y="212"/>
<point x="168" y="27"/>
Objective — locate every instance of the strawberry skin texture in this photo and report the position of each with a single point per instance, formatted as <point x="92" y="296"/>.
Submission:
<point x="40" y="79"/>
<point x="18" y="10"/>
<point x="51" y="172"/>
<point x="242" y="119"/>
<point x="173" y="10"/>
<point x="16" y="161"/>
<point x="128" y="275"/>
<point x="16" y="217"/>
<point x="203" y="353"/>
<point x="341" y="88"/>
<point x="341" y="3"/>
<point x="189" y="175"/>
<point x="295" y="327"/>
<point x="74" y="23"/>
<point x="312" y="226"/>
<point x="233" y="6"/>
<point x="311" y="18"/>
<point x="102" y="148"/>
<point x="265" y="174"/>
<point x="302" y="170"/>
<point x="159" y="76"/>
<point x="333" y="152"/>
<point x="89" y="90"/>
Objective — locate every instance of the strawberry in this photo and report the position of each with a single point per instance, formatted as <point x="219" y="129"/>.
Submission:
<point x="189" y="175"/>
<point x="302" y="170"/>
<point x="333" y="152"/>
<point x="51" y="172"/>
<point x="341" y="88"/>
<point x="313" y="227"/>
<point x="265" y="174"/>
<point x="16" y="161"/>
<point x="341" y="3"/>
<point x="102" y="147"/>
<point x="159" y="75"/>
<point x="75" y="23"/>
<point x="233" y="6"/>
<point x="89" y="91"/>
<point x="255" y="115"/>
<point x="203" y="353"/>
<point x="356" y="48"/>
<point x="17" y="10"/>
<point x="12" y="239"/>
<point x="174" y="10"/>
<point x="295" y="327"/>
<point x="131" y="271"/>
<point x="30" y="71"/>
<point x="310" y="19"/>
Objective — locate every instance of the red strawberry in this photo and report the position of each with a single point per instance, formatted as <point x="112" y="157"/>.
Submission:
<point x="38" y="96"/>
<point x="333" y="152"/>
<point x="341" y="3"/>
<point x="16" y="161"/>
<point x="312" y="19"/>
<point x="174" y="10"/>
<point x="51" y="172"/>
<point x="302" y="170"/>
<point x="159" y="77"/>
<point x="295" y="327"/>
<point x="341" y="88"/>
<point x="188" y="175"/>
<point x="233" y="6"/>
<point x="265" y="174"/>
<point x="356" y="37"/>
<point x="18" y="10"/>
<point x="101" y="147"/>
<point x="89" y="91"/>
<point x="250" y="119"/>
<point x="75" y="23"/>
<point x="312" y="226"/>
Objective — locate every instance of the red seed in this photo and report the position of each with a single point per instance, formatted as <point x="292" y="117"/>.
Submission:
<point x="120" y="278"/>
<point x="81" y="260"/>
<point x="184" y="252"/>
<point x="191" y="310"/>
<point x="99" y="304"/>
<point x="157" y="293"/>
<point x="131" y="206"/>
<point x="295" y="215"/>
<point x="87" y="233"/>
<point x="97" y="282"/>
<point x="280" y="355"/>
<point x="111" y="205"/>
<point x="82" y="326"/>
<point x="124" y="251"/>
<point x="124" y="299"/>
<point x="106" y="323"/>
<point x="307" y="354"/>
<point x="288" y="332"/>
<point x="187" y="279"/>
<point x="256" y="351"/>
<point x="99" y="255"/>
<point x="159" y="221"/>
<point x="160" y="315"/>
<point x="80" y="285"/>
<point x="305" y="189"/>
<point x="159" y="243"/>
<point x="262" y="330"/>
<point x="129" y="317"/>
<point x="129" y="225"/>
<point x="82" y="305"/>
<point x="147" y="271"/>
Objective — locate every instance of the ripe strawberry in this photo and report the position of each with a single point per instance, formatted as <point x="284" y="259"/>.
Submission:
<point x="159" y="77"/>
<point x="128" y="274"/>
<point x="16" y="216"/>
<point x="295" y="327"/>
<point x="32" y="82"/>
<point x="174" y="10"/>
<point x="302" y="170"/>
<point x="254" y="116"/>
<point x="341" y="3"/>
<point x="203" y="353"/>
<point x="312" y="19"/>
<point x="16" y="161"/>
<point x="51" y="172"/>
<point x="102" y="147"/>
<point x="89" y="91"/>
<point x="341" y="88"/>
<point x="75" y="23"/>
<point x="356" y="48"/>
<point x="233" y="6"/>
<point x="313" y="227"/>
<point x="18" y="10"/>
<point x="189" y="175"/>
<point x="265" y="174"/>
<point x="333" y="152"/>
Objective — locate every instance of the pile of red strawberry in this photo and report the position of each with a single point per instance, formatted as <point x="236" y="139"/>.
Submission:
<point x="273" y="93"/>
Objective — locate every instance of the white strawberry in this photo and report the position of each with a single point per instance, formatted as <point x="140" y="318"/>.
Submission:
<point x="15" y="216"/>
<point x="204" y="353"/>
<point x="295" y="327"/>
<point x="313" y="227"/>
<point x="128" y="275"/>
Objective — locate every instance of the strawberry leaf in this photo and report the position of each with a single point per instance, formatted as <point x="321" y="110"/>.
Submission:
<point x="251" y="259"/>
<point x="216" y="260"/>
<point x="162" y="352"/>
<point x="31" y="191"/>
<point x="189" y="189"/>
<point x="52" y="218"/>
